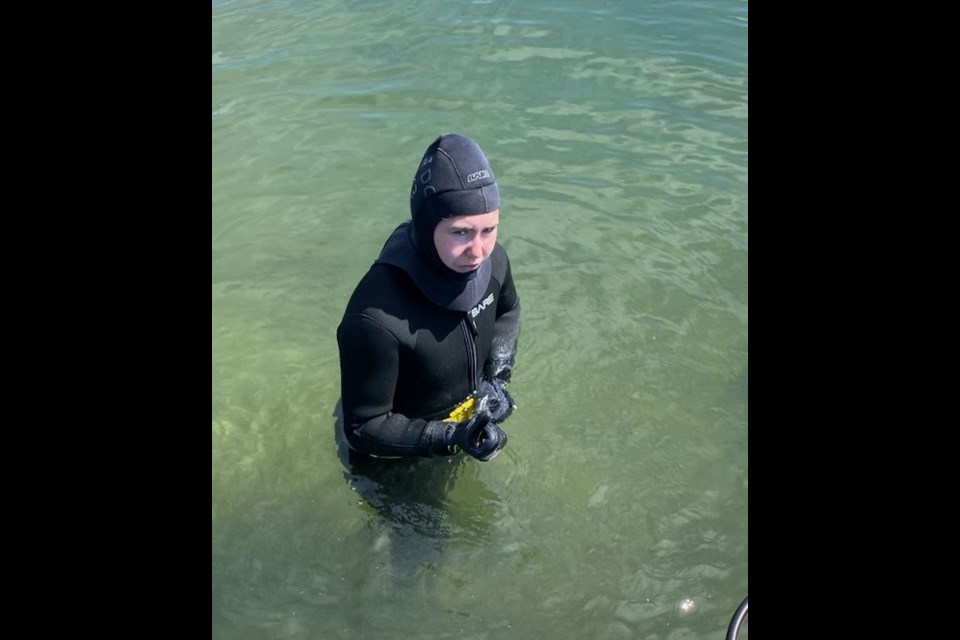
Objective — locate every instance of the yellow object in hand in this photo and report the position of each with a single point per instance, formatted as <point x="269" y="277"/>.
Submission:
<point x="463" y="411"/>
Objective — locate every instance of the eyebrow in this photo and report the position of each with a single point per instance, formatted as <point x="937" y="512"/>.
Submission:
<point x="468" y="227"/>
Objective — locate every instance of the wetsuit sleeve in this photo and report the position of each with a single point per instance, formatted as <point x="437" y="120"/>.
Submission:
<point x="503" y="348"/>
<point x="369" y="364"/>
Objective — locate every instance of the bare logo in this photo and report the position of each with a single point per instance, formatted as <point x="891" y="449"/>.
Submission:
<point x="477" y="175"/>
<point x="480" y="307"/>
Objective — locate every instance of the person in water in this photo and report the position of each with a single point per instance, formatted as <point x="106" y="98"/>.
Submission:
<point x="429" y="337"/>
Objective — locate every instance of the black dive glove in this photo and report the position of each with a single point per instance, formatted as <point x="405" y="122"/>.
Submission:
<point x="477" y="436"/>
<point x="493" y="397"/>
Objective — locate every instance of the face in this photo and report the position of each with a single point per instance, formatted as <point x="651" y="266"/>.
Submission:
<point x="464" y="242"/>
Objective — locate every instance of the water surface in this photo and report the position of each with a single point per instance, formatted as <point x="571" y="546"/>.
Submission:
<point x="618" y="133"/>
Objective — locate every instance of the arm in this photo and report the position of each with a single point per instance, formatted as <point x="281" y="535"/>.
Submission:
<point x="369" y="366"/>
<point x="503" y="348"/>
<point x="498" y="366"/>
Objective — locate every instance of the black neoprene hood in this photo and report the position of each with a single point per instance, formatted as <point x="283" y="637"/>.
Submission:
<point x="454" y="178"/>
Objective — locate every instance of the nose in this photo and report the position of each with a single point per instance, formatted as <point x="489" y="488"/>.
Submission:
<point x="475" y="248"/>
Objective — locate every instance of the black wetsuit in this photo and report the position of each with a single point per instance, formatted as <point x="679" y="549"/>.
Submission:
<point x="412" y="349"/>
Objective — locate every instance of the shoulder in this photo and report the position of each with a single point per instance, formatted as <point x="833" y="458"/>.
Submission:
<point x="386" y="297"/>
<point x="378" y="275"/>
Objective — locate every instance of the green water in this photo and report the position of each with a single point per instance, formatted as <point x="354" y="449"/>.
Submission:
<point x="618" y="133"/>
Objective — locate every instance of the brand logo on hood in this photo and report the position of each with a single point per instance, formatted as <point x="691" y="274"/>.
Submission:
<point x="477" y="175"/>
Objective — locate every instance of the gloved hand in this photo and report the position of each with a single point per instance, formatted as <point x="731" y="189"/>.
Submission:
<point x="493" y="397"/>
<point x="476" y="436"/>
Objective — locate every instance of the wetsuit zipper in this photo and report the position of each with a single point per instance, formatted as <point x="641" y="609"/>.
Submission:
<point x="470" y="333"/>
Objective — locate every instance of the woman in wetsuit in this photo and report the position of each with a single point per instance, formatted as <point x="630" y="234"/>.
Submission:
<point x="429" y="336"/>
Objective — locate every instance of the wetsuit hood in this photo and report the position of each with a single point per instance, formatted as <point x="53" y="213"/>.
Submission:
<point x="442" y="286"/>
<point x="454" y="178"/>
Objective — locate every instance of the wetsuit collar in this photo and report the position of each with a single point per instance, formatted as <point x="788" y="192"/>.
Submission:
<point x="449" y="290"/>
